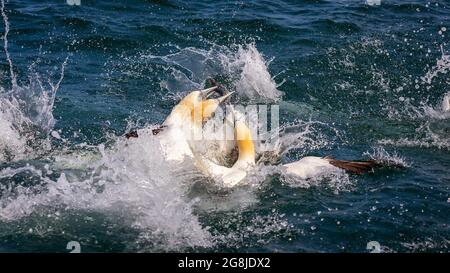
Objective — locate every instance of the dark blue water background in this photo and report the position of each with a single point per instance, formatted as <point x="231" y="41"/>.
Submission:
<point x="369" y="78"/>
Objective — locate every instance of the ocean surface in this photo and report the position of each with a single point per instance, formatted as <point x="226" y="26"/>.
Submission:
<point x="352" y="80"/>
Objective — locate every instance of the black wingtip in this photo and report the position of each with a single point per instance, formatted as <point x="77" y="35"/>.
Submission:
<point x="354" y="167"/>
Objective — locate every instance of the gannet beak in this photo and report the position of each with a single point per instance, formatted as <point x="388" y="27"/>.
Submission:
<point x="224" y="98"/>
<point x="205" y="93"/>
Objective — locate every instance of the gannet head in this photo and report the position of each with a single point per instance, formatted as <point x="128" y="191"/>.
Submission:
<point x="189" y="108"/>
<point x="197" y="108"/>
<point x="192" y="111"/>
<point x="209" y="106"/>
<point x="446" y="102"/>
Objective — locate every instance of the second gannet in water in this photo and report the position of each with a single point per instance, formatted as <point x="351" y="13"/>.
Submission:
<point x="313" y="166"/>
<point x="305" y="168"/>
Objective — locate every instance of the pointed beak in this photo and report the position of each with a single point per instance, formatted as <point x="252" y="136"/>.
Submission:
<point x="205" y="93"/>
<point x="224" y="98"/>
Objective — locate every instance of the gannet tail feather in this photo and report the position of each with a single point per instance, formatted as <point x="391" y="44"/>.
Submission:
<point x="354" y="167"/>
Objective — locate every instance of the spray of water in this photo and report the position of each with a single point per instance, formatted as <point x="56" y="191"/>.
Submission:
<point x="131" y="179"/>
<point x="26" y="110"/>
<point x="242" y="67"/>
<point x="442" y="67"/>
<point x="5" y="44"/>
<point x="380" y="155"/>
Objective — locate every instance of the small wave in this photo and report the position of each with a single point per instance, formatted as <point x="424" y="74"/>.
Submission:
<point x="425" y="137"/>
<point x="425" y="245"/>
<point x="331" y="26"/>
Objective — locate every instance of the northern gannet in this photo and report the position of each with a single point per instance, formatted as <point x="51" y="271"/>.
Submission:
<point x="313" y="166"/>
<point x="305" y="168"/>
<point x="184" y="124"/>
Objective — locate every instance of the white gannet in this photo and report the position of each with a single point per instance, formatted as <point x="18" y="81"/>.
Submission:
<point x="446" y="102"/>
<point x="246" y="159"/>
<point x="313" y="166"/>
<point x="308" y="167"/>
<point x="178" y="125"/>
<point x="184" y="123"/>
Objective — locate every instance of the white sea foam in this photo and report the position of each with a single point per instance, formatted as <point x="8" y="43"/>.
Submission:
<point x="131" y="178"/>
<point x="336" y="180"/>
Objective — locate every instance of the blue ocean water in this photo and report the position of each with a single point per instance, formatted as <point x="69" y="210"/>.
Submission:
<point x="358" y="81"/>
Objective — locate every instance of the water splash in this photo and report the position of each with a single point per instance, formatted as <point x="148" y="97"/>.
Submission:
<point x="298" y="138"/>
<point x="380" y="155"/>
<point x="255" y="81"/>
<point x="445" y="105"/>
<point x="132" y="181"/>
<point x="336" y="180"/>
<point x="241" y="67"/>
<point x="26" y="110"/>
<point x="130" y="178"/>
<point x="5" y="44"/>
<point x="442" y="67"/>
